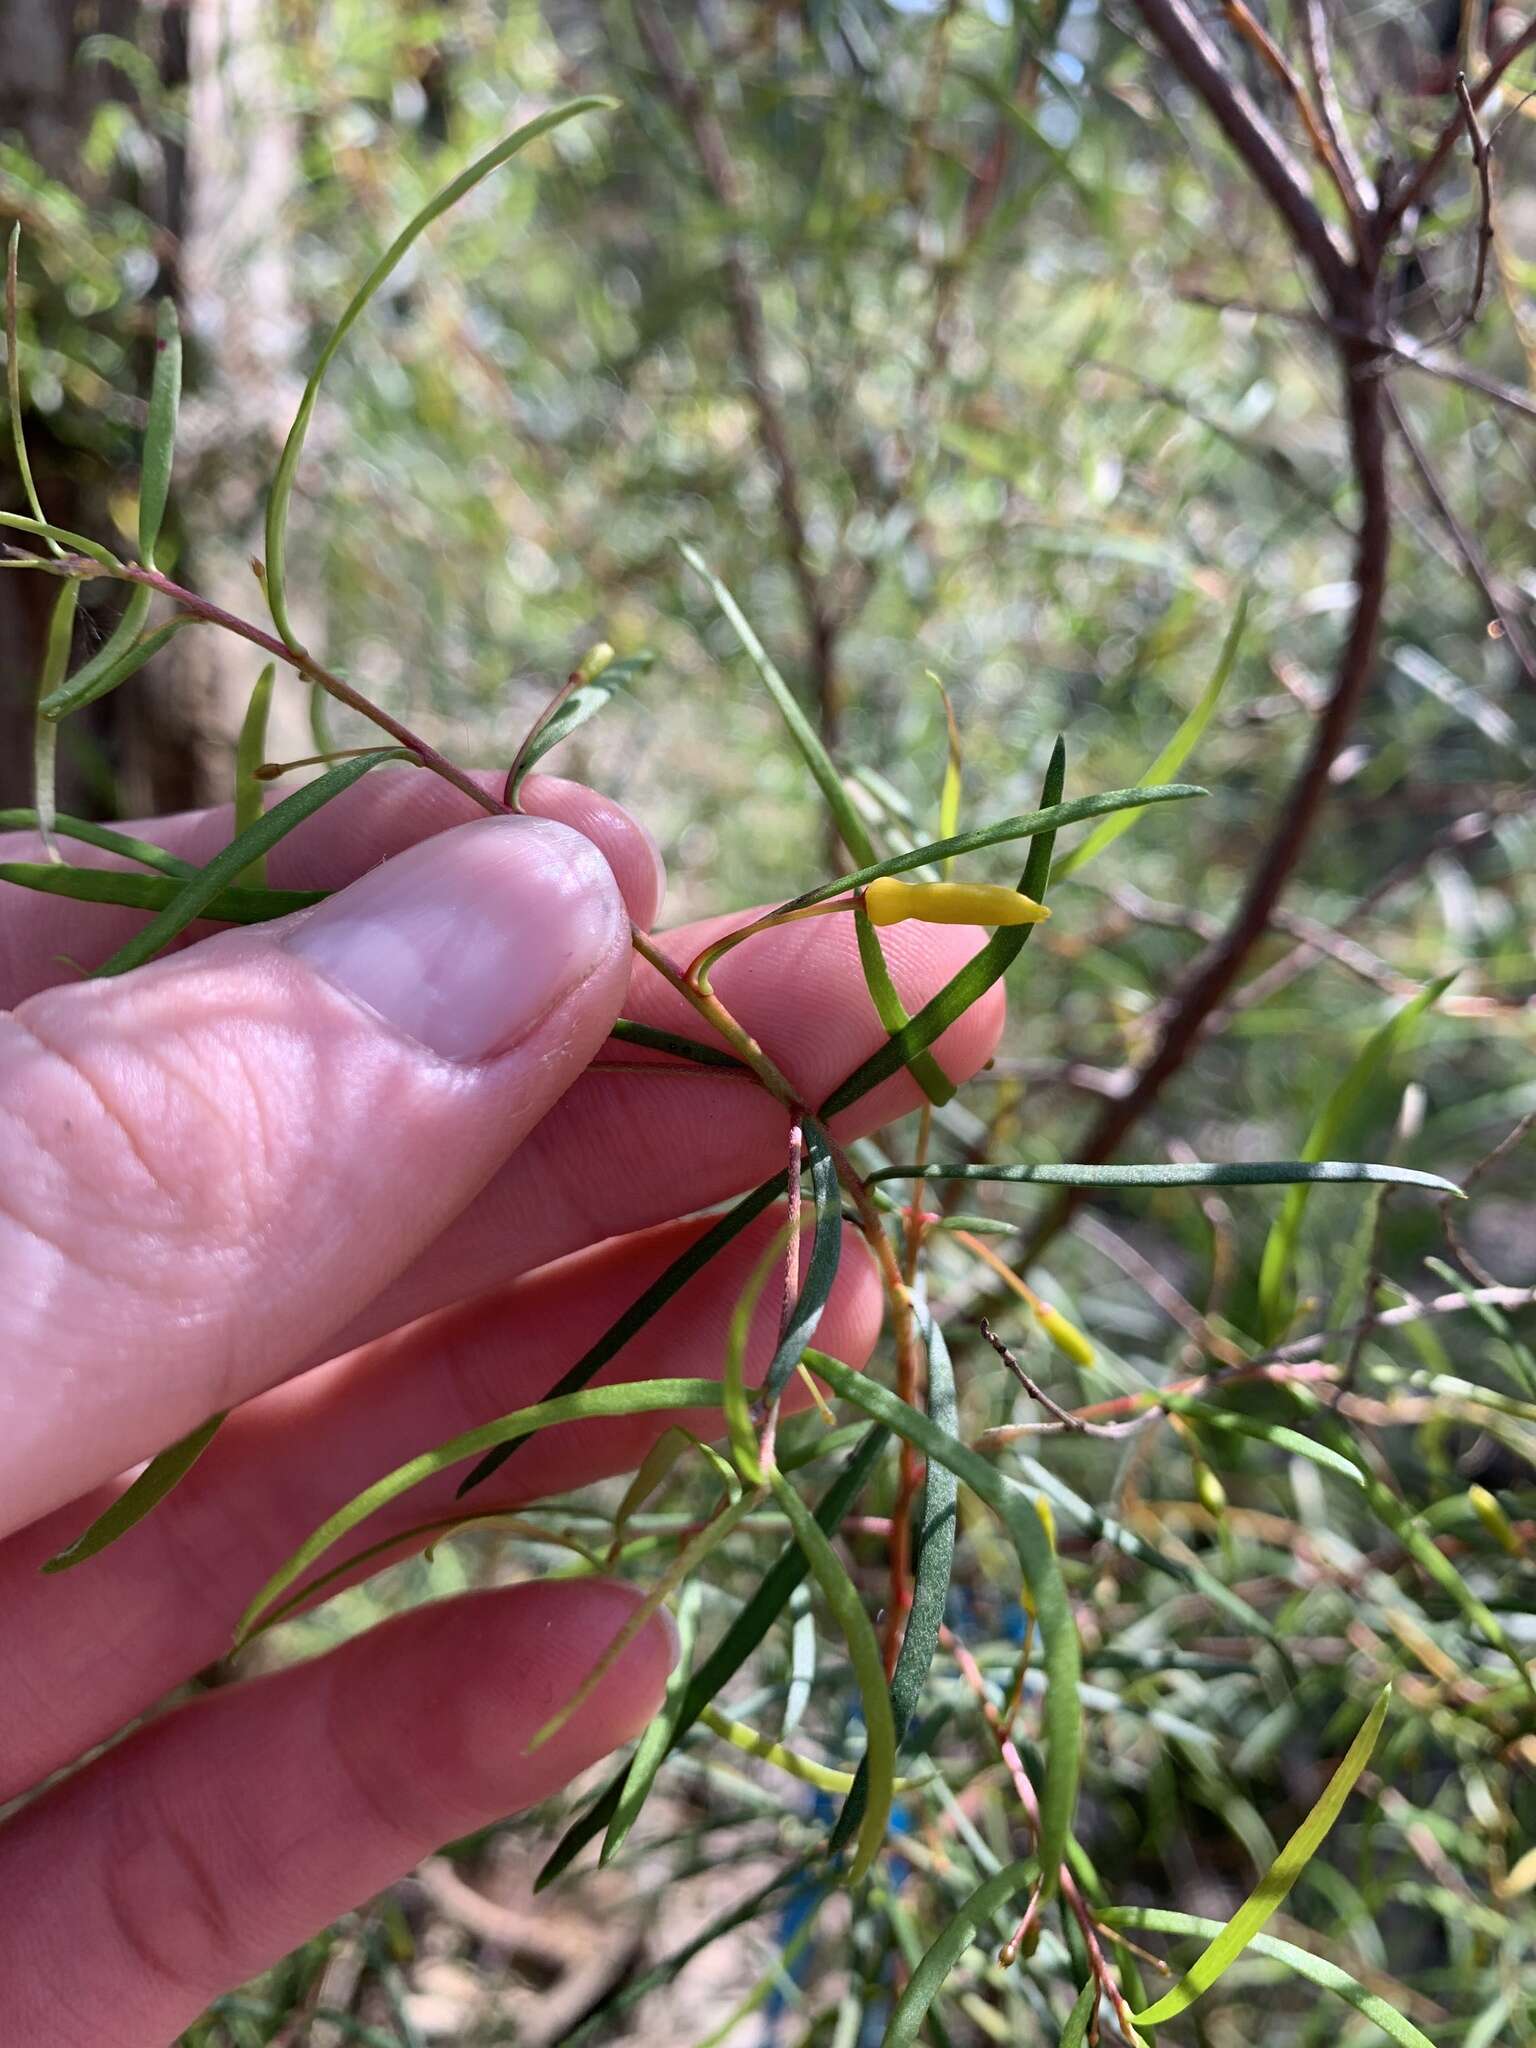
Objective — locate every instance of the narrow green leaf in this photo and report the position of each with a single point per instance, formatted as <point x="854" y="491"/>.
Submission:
<point x="1078" y="2021"/>
<point x="45" y="735"/>
<point x="142" y="850"/>
<point x="949" y="792"/>
<point x="1042" y="1574"/>
<point x="98" y="675"/>
<point x="288" y="463"/>
<point x="1262" y="1902"/>
<point x="1161" y="1920"/>
<point x="927" y="1980"/>
<point x="931" y="1569"/>
<point x="646" y="1397"/>
<point x="987" y="966"/>
<point x="733" y="1383"/>
<point x="891" y="1011"/>
<point x="1189" y="1174"/>
<point x="194" y="896"/>
<point x="163" y="1471"/>
<point x="694" y="1553"/>
<point x="821" y="1273"/>
<point x="850" y="826"/>
<point x="1053" y="818"/>
<point x="1334" y="1121"/>
<point x="1177" y="751"/>
<point x="690" y="1049"/>
<point x="583" y="703"/>
<point x="869" y="1672"/>
<point x="70" y="543"/>
<point x="250" y="752"/>
<point x="77" y="691"/>
<point x="930" y="1076"/>
<point x="641" y="1309"/>
<point x="743" y="1636"/>
<point x="13" y="386"/>
<point x="660" y="1732"/>
<point x="160" y="431"/>
<point x="153" y="892"/>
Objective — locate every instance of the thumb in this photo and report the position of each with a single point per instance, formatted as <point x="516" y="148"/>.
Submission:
<point x="215" y="1162"/>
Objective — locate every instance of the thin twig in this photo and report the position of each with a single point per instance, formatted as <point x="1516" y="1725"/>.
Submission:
<point x="1416" y="190"/>
<point x="1258" y="37"/>
<point x="1352" y="294"/>
<point x="1074" y="1425"/>
<point x="698" y="117"/>
<point x="1506" y="1144"/>
<point x="1477" y="565"/>
<point x="1482" y="164"/>
<point x="1314" y="41"/>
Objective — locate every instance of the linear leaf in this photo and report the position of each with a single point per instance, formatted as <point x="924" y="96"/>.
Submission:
<point x="1301" y="1961"/>
<point x="694" y="1553"/>
<point x="153" y="892"/>
<point x="1177" y="751"/>
<point x="842" y="1597"/>
<point x="250" y="752"/>
<point x="1334" y="1120"/>
<point x="73" y="543"/>
<point x="660" y="1733"/>
<point x="631" y="1033"/>
<point x="99" y="677"/>
<point x="851" y="827"/>
<point x="743" y="1636"/>
<point x="142" y="850"/>
<point x="1042" y="1574"/>
<point x="45" y="734"/>
<point x="1049" y="820"/>
<point x="288" y="463"/>
<point x="196" y="894"/>
<point x="1189" y="1174"/>
<point x="642" y="1308"/>
<point x="892" y="1012"/>
<point x="931" y="1569"/>
<point x="1076" y="2030"/>
<point x="645" y="1397"/>
<point x="1276" y="1882"/>
<point x="167" y="1469"/>
<point x="160" y="431"/>
<point x="927" y="1980"/>
<point x="578" y="707"/>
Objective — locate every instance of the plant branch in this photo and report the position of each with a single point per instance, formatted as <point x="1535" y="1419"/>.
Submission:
<point x="693" y="109"/>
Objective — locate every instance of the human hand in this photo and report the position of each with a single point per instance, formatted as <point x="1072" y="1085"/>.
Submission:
<point x="346" y="1175"/>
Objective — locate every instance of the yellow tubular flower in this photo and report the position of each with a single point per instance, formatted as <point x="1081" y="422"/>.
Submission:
<point x="1493" y="1518"/>
<point x="891" y="901"/>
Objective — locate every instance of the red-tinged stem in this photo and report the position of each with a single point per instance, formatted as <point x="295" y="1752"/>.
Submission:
<point x="296" y="658"/>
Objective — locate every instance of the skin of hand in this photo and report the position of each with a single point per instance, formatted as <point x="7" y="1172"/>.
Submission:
<point x="348" y="1176"/>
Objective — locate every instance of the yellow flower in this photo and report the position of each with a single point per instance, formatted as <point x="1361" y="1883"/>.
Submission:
<point x="890" y="901"/>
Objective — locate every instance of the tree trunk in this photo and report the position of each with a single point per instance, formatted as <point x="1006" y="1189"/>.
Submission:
<point x="164" y="742"/>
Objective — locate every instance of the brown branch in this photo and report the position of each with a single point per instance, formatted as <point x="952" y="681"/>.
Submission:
<point x="1417" y="188"/>
<point x="1352" y="296"/>
<point x="1271" y="164"/>
<point x="1314" y="41"/>
<point x="1483" y="167"/>
<point x="1259" y="38"/>
<point x="1478" y="567"/>
<point x="693" y="109"/>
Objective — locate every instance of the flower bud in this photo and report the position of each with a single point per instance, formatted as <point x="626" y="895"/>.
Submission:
<point x="889" y="900"/>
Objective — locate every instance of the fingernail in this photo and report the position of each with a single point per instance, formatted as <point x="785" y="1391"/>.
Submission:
<point x="467" y="941"/>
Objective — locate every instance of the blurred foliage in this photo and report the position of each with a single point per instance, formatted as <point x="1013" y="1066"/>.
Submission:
<point x="1031" y="460"/>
